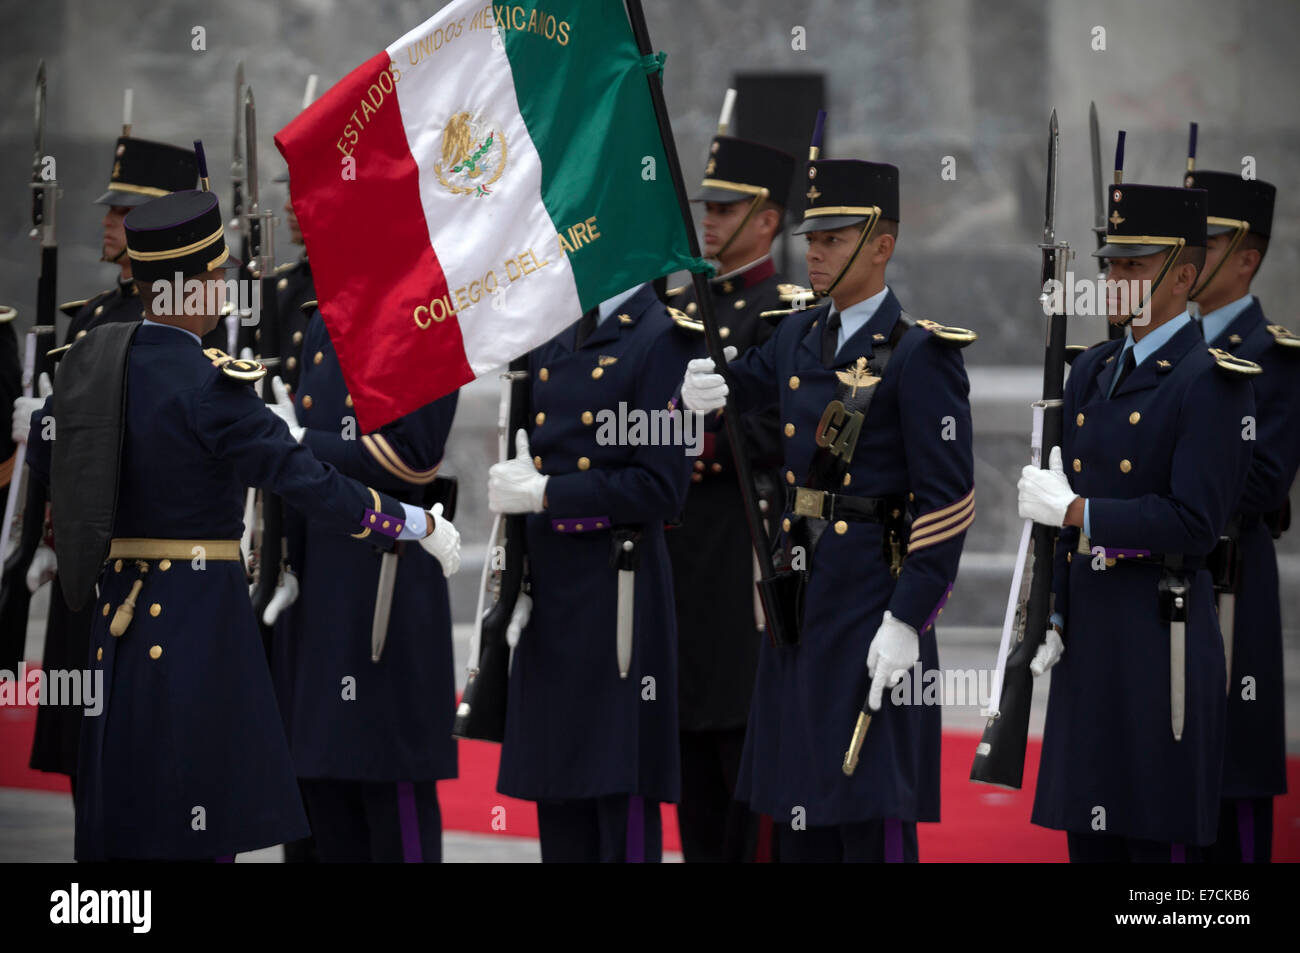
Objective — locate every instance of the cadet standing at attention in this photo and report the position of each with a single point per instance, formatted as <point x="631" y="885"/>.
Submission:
<point x="880" y="493"/>
<point x="591" y="719"/>
<point x="1157" y="458"/>
<point x="187" y="759"/>
<point x="1232" y="319"/>
<point x="744" y="194"/>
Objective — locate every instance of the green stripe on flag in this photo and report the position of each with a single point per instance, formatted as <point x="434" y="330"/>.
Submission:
<point x="583" y="93"/>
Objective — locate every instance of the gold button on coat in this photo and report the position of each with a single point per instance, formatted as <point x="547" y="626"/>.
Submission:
<point x="587" y="417"/>
<point x="105" y="608"/>
<point x="724" y="333"/>
<point x="584" y="463"/>
<point x="543" y="374"/>
<point x="1079" y="420"/>
<point x="794" y="383"/>
<point x="348" y="400"/>
<point x="282" y="284"/>
<point x="1125" y="466"/>
<point x="537" y="462"/>
<point x="785" y="525"/>
<point x="1134" y="417"/>
<point x="155" y="652"/>
<point x="99" y="655"/>
<point x="297" y="337"/>
<point x="1078" y="465"/>
<point x="847" y="478"/>
<point x="117" y="566"/>
<point x="540" y="419"/>
<point x="291" y="363"/>
<point x="306" y="401"/>
<point x="155" y="610"/>
<point x="597" y="373"/>
<point x="320" y="356"/>
<point x="164" y="565"/>
<point x="789" y="476"/>
<point x="841" y="527"/>
<point x="716" y="467"/>
<point x="789" y="430"/>
<point x="739" y="304"/>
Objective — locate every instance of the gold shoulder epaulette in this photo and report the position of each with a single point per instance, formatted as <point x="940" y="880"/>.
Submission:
<point x="1283" y="337"/>
<point x="7" y="313"/>
<point x="235" y="368"/>
<point x="70" y="308"/>
<point x="953" y="337"/>
<point x="308" y="306"/>
<point x="1074" y="350"/>
<point x="686" y="323"/>
<point x="287" y="266"/>
<point x="674" y="292"/>
<point x="791" y="292"/>
<point x="1234" y="365"/>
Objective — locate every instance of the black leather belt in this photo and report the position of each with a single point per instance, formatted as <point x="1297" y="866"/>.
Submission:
<point x="821" y="505"/>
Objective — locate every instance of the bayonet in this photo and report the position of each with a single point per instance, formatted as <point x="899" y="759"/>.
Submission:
<point x="1098" y="186"/>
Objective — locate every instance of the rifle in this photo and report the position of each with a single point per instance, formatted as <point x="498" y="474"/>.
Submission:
<point x="260" y="233"/>
<point x="482" y="710"/>
<point x="15" y="598"/>
<point x="1000" y="756"/>
<point x="1099" y="198"/>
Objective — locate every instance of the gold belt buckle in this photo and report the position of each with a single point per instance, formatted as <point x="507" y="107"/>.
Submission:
<point x="1085" y="545"/>
<point x="808" y="502"/>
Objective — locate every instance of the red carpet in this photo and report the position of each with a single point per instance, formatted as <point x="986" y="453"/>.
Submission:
<point x="980" y="823"/>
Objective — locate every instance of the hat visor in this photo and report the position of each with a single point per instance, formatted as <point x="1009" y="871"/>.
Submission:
<point x="126" y="199"/>
<point x="1128" y="251"/>
<point x="827" y="223"/>
<point x="711" y="193"/>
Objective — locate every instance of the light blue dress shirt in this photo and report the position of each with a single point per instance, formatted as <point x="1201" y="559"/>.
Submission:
<point x="1214" y="323"/>
<point x="855" y="317"/>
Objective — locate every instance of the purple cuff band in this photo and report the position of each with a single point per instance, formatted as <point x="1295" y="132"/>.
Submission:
<point x="1119" y="553"/>
<point x="580" y="524"/>
<point x="382" y="523"/>
<point x="943" y="601"/>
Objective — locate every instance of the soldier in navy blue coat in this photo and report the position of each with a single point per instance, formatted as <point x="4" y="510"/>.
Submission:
<point x="369" y="723"/>
<point x="187" y="758"/>
<point x="141" y="172"/>
<point x="880" y="493"/>
<point x="744" y="192"/>
<point x="591" y="723"/>
<point x="1254" y="757"/>
<point x="1157" y="444"/>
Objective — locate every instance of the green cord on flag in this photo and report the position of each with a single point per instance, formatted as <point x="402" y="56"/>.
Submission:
<point x="654" y="63"/>
<point x="700" y="266"/>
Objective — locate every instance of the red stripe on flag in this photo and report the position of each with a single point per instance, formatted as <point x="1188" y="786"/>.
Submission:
<point x="369" y="245"/>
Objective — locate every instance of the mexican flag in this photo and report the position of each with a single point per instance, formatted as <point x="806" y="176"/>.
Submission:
<point x="468" y="192"/>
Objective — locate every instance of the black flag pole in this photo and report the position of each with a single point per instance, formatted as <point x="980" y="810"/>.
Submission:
<point x="704" y="299"/>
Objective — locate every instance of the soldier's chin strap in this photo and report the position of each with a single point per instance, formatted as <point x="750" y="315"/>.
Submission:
<point x="873" y="217"/>
<point x="1176" y="247"/>
<point x="759" y="198"/>
<point x="1239" y="229"/>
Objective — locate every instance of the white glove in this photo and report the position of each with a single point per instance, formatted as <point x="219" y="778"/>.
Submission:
<point x="894" y="650"/>
<point x="44" y="567"/>
<point x="24" y="407"/>
<point x="519" y="619"/>
<point x="283" y="408"/>
<point x="703" y="388"/>
<point x="1045" y="495"/>
<point x="286" y="594"/>
<point x="515" y="485"/>
<point x="443" y="544"/>
<point x="1048" y="654"/>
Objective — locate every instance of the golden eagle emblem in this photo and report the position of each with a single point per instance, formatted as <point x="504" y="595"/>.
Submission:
<point x="859" y="375"/>
<point x="473" y="155"/>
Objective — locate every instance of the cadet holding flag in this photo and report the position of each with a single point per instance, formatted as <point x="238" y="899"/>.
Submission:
<point x="744" y="194"/>
<point x="879" y="495"/>
<point x="157" y="440"/>
<point x="1152" y="465"/>
<point x="1245" y="563"/>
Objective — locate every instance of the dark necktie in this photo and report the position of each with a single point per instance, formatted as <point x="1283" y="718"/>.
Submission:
<point x="831" y="339"/>
<point x="586" y="325"/>
<point x="1126" y="365"/>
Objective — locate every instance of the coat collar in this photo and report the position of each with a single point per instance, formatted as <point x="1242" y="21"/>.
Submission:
<point x="626" y="317"/>
<point x="1241" y="327"/>
<point x="1149" y="373"/>
<point x="862" y="342"/>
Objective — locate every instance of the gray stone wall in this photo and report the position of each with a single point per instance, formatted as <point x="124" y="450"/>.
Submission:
<point x="908" y="83"/>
